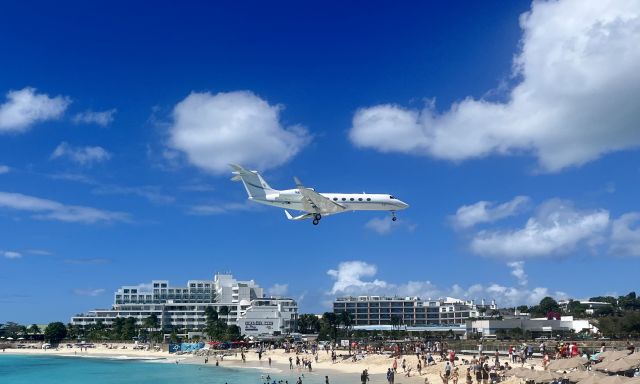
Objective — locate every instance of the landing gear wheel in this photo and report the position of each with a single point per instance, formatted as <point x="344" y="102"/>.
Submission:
<point x="318" y="216"/>
<point x="394" y="218"/>
<point x="315" y="221"/>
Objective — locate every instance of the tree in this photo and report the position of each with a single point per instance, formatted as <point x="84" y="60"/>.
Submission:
<point x="396" y="321"/>
<point x="331" y="321"/>
<point x="224" y="311"/>
<point x="308" y="323"/>
<point x="523" y="308"/>
<point x="34" y="330"/>
<point x="211" y="328"/>
<point x="346" y="320"/>
<point x="55" y="332"/>
<point x="548" y="304"/>
<point x="233" y="333"/>
<point x="129" y="329"/>
<point x="152" y="323"/>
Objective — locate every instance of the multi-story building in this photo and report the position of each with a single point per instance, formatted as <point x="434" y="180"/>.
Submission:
<point x="411" y="311"/>
<point x="183" y="308"/>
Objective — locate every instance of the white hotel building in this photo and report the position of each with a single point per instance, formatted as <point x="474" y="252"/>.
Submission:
<point x="183" y="308"/>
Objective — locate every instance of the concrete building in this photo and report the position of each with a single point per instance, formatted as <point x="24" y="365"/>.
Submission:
<point x="591" y="306"/>
<point x="537" y="327"/>
<point x="183" y="307"/>
<point x="412" y="311"/>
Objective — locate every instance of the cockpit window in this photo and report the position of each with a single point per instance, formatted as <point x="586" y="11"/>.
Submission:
<point x="392" y="198"/>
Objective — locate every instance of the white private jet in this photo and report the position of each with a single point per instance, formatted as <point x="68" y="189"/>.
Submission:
<point x="313" y="203"/>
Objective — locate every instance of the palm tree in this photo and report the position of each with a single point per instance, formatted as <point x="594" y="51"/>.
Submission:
<point x="152" y="322"/>
<point x="396" y="321"/>
<point x="224" y="311"/>
<point x="331" y="319"/>
<point x="34" y="329"/>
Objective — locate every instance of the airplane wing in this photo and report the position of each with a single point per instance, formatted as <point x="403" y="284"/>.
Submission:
<point x="315" y="202"/>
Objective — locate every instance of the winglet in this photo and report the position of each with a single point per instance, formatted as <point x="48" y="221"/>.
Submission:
<point x="298" y="182"/>
<point x="288" y="215"/>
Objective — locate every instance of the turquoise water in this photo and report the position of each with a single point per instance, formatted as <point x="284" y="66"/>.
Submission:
<point x="16" y="369"/>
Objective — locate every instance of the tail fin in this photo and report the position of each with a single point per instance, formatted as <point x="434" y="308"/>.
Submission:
<point x="256" y="186"/>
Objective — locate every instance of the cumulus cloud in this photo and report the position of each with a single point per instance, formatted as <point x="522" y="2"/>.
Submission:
<point x="89" y="291"/>
<point x="103" y="118"/>
<point x="52" y="210"/>
<point x="4" y="169"/>
<point x="355" y="278"/>
<point x="219" y="208"/>
<point x="278" y="289"/>
<point x="487" y="212"/>
<point x="557" y="228"/>
<point x="517" y="270"/>
<point x="578" y="95"/>
<point x="234" y="127"/>
<point x="11" y="254"/>
<point x="81" y="155"/>
<point x="384" y="225"/>
<point x="153" y="194"/>
<point x="625" y="235"/>
<point x="25" y="107"/>
<point x="349" y="276"/>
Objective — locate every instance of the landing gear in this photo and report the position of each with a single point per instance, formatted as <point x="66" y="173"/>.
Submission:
<point x="315" y="221"/>
<point x="393" y="216"/>
<point x="316" y="218"/>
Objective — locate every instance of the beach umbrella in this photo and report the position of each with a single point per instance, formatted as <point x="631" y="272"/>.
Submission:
<point x="20" y="338"/>
<point x="614" y="380"/>
<point x="9" y="338"/>
<point x="563" y="364"/>
<point x="612" y="355"/>
<point x="619" y="365"/>
<point x="545" y="376"/>
<point x="576" y="376"/>
<point x="517" y="371"/>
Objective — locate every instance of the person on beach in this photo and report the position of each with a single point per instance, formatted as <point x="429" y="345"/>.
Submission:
<point x="395" y="365"/>
<point x="389" y="373"/>
<point x="455" y="375"/>
<point x="364" y="377"/>
<point x="469" y="379"/>
<point x="290" y="362"/>
<point x="269" y="361"/>
<point x="326" y="380"/>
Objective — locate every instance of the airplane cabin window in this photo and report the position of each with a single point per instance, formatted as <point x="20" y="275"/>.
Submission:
<point x="368" y="199"/>
<point x="335" y="199"/>
<point x="351" y="199"/>
<point x="359" y="198"/>
<point x="344" y="199"/>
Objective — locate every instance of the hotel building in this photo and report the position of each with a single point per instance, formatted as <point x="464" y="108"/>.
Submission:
<point x="412" y="311"/>
<point x="183" y="308"/>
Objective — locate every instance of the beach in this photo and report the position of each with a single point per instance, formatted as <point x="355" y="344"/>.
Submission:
<point x="344" y="370"/>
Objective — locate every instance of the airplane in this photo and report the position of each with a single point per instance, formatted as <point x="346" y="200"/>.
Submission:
<point x="314" y="204"/>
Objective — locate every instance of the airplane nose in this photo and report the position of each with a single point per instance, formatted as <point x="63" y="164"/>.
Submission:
<point x="403" y="205"/>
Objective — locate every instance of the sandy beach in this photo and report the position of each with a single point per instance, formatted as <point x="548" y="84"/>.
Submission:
<point x="376" y="364"/>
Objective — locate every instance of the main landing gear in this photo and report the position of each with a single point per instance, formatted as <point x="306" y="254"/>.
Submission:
<point x="393" y="216"/>
<point x="316" y="219"/>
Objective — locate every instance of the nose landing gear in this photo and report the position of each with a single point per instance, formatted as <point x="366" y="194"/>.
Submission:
<point x="393" y="216"/>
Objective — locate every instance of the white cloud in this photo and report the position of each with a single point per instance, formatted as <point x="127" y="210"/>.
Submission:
<point x="81" y="155"/>
<point x="625" y="235"/>
<point x="487" y="212"/>
<point x="11" y="254"/>
<point x="349" y="276"/>
<point x="89" y="292"/>
<point x="350" y="279"/>
<point x="152" y="193"/>
<point x="384" y="225"/>
<point x="235" y="127"/>
<point x="278" y="289"/>
<point x="103" y="118"/>
<point x="557" y="228"/>
<point x="52" y="210"/>
<point x="517" y="270"/>
<point x="26" y="107"/>
<point x="4" y="169"/>
<point x="578" y="97"/>
<point x="219" y="209"/>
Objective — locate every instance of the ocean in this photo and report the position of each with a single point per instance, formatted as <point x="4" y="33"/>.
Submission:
<point x="37" y="369"/>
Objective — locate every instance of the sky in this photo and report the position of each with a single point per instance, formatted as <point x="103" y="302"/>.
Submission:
<point x="511" y="129"/>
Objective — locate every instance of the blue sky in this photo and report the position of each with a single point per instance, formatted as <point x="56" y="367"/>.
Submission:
<point x="510" y="128"/>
